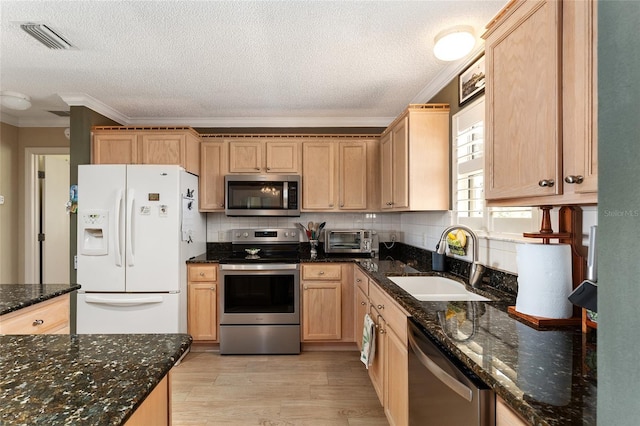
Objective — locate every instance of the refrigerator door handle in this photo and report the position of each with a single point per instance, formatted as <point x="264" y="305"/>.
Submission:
<point x="117" y="242"/>
<point x="144" y="300"/>
<point x="129" y="238"/>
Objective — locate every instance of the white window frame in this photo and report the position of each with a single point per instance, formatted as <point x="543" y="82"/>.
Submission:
<point x="500" y="223"/>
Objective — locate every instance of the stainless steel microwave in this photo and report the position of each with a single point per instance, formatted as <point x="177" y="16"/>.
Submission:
<point x="351" y="241"/>
<point x="262" y="195"/>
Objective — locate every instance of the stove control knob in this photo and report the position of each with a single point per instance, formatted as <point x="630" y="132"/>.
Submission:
<point x="245" y="235"/>
<point x="293" y="233"/>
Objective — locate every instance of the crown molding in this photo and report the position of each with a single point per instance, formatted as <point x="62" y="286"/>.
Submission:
<point x="82" y="99"/>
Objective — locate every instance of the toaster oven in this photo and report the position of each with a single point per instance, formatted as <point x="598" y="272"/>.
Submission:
<point x="351" y="241"/>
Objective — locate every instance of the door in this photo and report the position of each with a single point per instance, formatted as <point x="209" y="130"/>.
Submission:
<point x="152" y="231"/>
<point x="55" y="220"/>
<point x="101" y="197"/>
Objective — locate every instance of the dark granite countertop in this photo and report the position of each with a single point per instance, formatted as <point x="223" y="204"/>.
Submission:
<point x="18" y="296"/>
<point x="84" y="379"/>
<point x="548" y="376"/>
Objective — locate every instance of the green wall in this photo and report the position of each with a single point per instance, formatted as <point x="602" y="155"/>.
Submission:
<point x="618" y="212"/>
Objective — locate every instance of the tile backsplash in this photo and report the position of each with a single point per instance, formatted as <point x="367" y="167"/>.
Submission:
<point x="418" y="229"/>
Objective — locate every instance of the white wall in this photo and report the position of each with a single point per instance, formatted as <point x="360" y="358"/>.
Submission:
<point x="418" y="229"/>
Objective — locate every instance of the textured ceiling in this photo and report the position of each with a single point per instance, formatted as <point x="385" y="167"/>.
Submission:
<point x="232" y="63"/>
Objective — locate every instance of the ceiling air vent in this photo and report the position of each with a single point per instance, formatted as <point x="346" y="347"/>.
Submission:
<point x="61" y="113"/>
<point x="46" y="36"/>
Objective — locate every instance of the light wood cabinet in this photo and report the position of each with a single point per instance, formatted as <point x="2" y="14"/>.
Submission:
<point x="414" y="160"/>
<point x="327" y="302"/>
<point x="48" y="317"/>
<point x="213" y="167"/>
<point x="339" y="175"/>
<point x="389" y="371"/>
<point x="138" y="145"/>
<point x="202" y="319"/>
<point x="362" y="303"/>
<point x="505" y="416"/>
<point x="540" y="138"/>
<point x="156" y="408"/>
<point x="260" y="156"/>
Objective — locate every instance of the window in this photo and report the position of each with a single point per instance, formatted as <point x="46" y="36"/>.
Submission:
<point x="468" y="180"/>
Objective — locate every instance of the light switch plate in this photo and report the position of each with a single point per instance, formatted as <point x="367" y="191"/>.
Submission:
<point x="1" y="199"/>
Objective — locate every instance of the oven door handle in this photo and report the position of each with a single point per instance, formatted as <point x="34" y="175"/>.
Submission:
<point x="260" y="267"/>
<point x="438" y="372"/>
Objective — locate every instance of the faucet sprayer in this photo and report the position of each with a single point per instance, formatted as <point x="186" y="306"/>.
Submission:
<point x="477" y="269"/>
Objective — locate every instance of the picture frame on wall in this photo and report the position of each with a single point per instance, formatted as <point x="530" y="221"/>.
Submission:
<point x="471" y="81"/>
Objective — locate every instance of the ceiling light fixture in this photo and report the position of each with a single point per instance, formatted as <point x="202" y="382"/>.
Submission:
<point x="15" y="100"/>
<point x="454" y="43"/>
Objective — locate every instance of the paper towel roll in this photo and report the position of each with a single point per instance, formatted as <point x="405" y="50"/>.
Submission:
<point x="544" y="280"/>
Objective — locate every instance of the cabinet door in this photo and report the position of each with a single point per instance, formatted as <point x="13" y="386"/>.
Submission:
<point x="114" y="148"/>
<point x="396" y="405"/>
<point x="245" y="156"/>
<point x="202" y="319"/>
<point x="352" y="175"/>
<point x="579" y="92"/>
<point x="163" y="148"/>
<point x="212" y="170"/>
<point x="321" y="310"/>
<point x="362" y="304"/>
<point x="523" y="92"/>
<point x="386" y="171"/>
<point x="505" y="416"/>
<point x="282" y="157"/>
<point x="376" y="369"/>
<point x="318" y="176"/>
<point x="400" y="168"/>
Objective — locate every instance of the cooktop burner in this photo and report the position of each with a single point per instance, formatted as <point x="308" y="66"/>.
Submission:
<point x="273" y="245"/>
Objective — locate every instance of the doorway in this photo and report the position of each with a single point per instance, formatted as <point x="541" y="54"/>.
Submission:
<point x="47" y="225"/>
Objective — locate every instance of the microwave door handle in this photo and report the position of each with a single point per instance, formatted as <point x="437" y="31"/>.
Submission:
<point x="285" y="195"/>
<point x="438" y="372"/>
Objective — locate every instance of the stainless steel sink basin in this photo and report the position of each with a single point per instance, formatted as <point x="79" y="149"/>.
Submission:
<point x="436" y="288"/>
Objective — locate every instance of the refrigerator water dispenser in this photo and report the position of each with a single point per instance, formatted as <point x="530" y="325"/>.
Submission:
<point x="94" y="228"/>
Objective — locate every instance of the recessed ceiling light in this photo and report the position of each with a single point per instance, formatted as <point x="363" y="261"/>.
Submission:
<point x="454" y="43"/>
<point x="15" y="100"/>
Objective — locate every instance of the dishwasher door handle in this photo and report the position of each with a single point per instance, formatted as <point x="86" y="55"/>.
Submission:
<point x="438" y="372"/>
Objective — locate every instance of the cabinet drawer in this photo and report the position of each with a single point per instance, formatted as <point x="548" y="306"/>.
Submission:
<point x="321" y="272"/>
<point x="203" y="273"/>
<point x="50" y="316"/>
<point x="361" y="279"/>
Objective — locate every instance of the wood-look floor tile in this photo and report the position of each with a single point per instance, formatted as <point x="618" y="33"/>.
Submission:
<point x="313" y="388"/>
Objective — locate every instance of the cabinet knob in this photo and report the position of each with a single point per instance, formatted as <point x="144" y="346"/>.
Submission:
<point x="305" y="287"/>
<point x="547" y="183"/>
<point x="389" y="203"/>
<point x="358" y="280"/>
<point x="382" y="330"/>
<point x="330" y="205"/>
<point x="380" y="306"/>
<point x="258" y="168"/>
<point x="574" y="179"/>
<point x="341" y="204"/>
<point x="38" y="322"/>
<point x="201" y="274"/>
<point x="363" y="303"/>
<point x="268" y="168"/>
<point x="213" y="288"/>
<point x="221" y="204"/>
<point x="321" y="273"/>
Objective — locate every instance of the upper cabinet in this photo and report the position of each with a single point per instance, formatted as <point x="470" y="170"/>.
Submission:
<point x="541" y="145"/>
<point x="213" y="167"/>
<point x="339" y="175"/>
<point x="260" y="156"/>
<point x="414" y="160"/>
<point x="138" y="145"/>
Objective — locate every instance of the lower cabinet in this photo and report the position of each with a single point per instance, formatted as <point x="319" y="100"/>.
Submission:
<point x="48" y="317"/>
<point x="327" y="302"/>
<point x="156" y="409"/>
<point x="389" y="370"/>
<point x="362" y="303"/>
<point x="505" y="416"/>
<point x="202" y="319"/>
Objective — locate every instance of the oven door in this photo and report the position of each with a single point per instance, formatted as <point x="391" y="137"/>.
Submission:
<point x="258" y="294"/>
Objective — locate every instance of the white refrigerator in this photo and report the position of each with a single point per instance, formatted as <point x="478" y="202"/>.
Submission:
<point x="137" y="226"/>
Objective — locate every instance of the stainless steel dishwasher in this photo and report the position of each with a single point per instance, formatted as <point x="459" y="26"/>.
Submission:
<point x="441" y="392"/>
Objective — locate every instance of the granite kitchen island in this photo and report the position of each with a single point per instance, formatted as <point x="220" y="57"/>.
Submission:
<point x="83" y="379"/>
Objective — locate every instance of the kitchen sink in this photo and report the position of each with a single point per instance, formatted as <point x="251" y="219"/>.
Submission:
<point x="436" y="288"/>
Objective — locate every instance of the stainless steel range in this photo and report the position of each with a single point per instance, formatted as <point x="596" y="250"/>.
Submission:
<point x="260" y="293"/>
